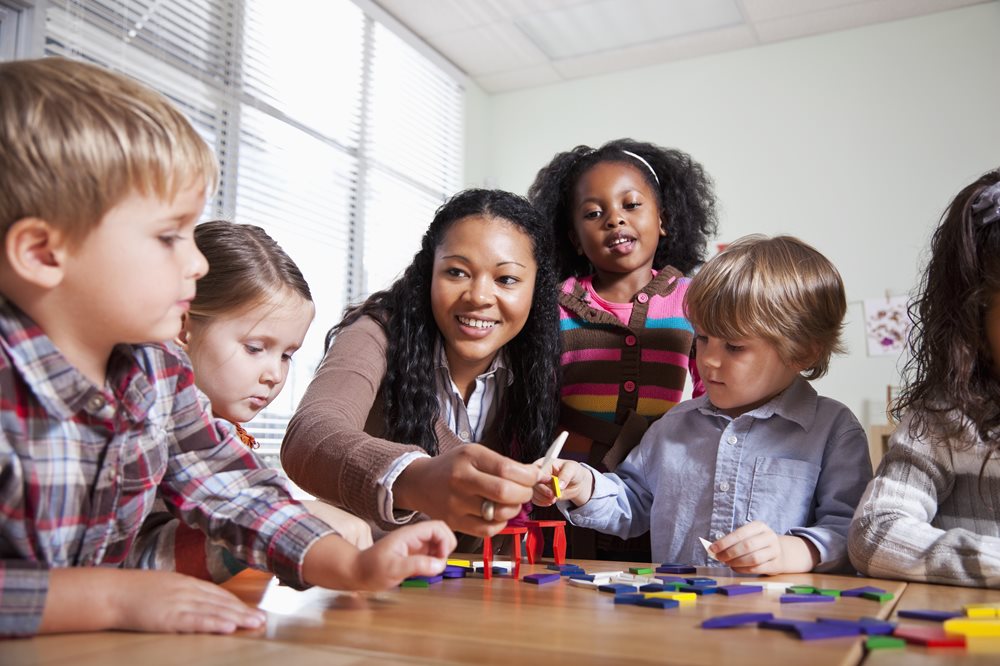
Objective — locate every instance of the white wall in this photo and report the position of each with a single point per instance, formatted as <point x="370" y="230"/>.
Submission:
<point x="854" y="141"/>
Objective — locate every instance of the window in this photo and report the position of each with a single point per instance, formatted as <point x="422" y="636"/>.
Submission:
<point x="333" y="132"/>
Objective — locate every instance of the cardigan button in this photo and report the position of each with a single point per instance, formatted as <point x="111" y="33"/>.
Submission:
<point x="642" y="298"/>
<point x="629" y="386"/>
<point x="630" y="340"/>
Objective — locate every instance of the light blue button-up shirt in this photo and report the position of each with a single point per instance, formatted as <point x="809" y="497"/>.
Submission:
<point x="799" y="463"/>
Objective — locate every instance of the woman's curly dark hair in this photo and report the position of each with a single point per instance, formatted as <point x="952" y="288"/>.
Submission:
<point x="685" y="197"/>
<point x="950" y="367"/>
<point x="527" y="414"/>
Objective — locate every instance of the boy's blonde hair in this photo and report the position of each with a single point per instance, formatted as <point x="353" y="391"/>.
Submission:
<point x="75" y="140"/>
<point x="779" y="289"/>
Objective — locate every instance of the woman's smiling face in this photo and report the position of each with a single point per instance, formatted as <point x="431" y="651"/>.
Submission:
<point x="482" y="285"/>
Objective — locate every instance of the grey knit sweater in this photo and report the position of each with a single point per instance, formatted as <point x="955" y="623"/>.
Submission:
<point x="927" y="515"/>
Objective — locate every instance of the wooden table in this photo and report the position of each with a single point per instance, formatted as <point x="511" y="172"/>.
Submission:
<point x="473" y="621"/>
<point x="919" y="596"/>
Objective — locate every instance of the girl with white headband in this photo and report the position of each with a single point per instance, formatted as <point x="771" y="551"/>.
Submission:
<point x="631" y="220"/>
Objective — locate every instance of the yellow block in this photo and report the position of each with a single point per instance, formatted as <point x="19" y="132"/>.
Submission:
<point x="972" y="627"/>
<point x="676" y="596"/>
<point x="555" y="486"/>
<point x="980" y="612"/>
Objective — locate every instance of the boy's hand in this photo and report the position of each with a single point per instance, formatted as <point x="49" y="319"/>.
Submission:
<point x="420" y="549"/>
<point x="576" y="484"/>
<point x="354" y="530"/>
<point x="86" y="599"/>
<point x="755" y="548"/>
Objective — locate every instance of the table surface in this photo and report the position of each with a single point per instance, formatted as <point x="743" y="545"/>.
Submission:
<point x="474" y="621"/>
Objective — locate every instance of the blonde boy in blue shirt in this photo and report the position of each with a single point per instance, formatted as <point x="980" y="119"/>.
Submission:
<point x="761" y="465"/>
<point x="101" y="183"/>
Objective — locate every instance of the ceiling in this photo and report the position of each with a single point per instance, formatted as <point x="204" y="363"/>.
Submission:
<point x="506" y="45"/>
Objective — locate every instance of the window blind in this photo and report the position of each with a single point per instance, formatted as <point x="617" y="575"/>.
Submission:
<point x="334" y="134"/>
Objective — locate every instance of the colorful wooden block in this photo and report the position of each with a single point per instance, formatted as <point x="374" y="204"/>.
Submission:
<point x="592" y="584"/>
<point x="631" y="599"/>
<point x="858" y="591"/>
<point x="541" y="578"/>
<point x="619" y="588"/>
<point x="781" y="624"/>
<point x="868" y="625"/>
<point x="884" y="643"/>
<point x="805" y="599"/>
<point x="697" y="589"/>
<point x="880" y="597"/>
<point x="770" y="585"/>
<point x="675" y="569"/>
<point x="973" y="627"/>
<point x="658" y="587"/>
<point x="929" y="636"/>
<point x="980" y="612"/>
<point x="810" y="631"/>
<point x="700" y="580"/>
<point x="930" y="615"/>
<point x="671" y="579"/>
<point x="801" y="589"/>
<point x="676" y="596"/>
<point x="735" y="590"/>
<point x="642" y="571"/>
<point x="421" y="581"/>
<point x="829" y="593"/>
<point x="735" y="620"/>
<point x="454" y="572"/>
<point x="459" y="563"/>
<point x="659" y="603"/>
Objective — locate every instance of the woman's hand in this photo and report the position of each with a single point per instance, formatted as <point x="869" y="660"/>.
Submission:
<point x="453" y="486"/>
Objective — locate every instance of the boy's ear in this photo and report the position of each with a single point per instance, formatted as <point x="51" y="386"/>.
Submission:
<point x="36" y="251"/>
<point x="663" y="225"/>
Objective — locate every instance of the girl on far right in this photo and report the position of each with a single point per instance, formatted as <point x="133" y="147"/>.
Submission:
<point x="932" y="512"/>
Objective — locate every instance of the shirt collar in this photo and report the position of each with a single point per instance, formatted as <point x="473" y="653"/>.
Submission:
<point x="58" y="385"/>
<point x="797" y="403"/>
<point x="497" y="368"/>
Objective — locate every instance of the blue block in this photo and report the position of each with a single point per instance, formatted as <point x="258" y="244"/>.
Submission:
<point x="727" y="621"/>
<point x="659" y="603"/>
<point x="582" y="576"/>
<point x="617" y="588"/>
<point x="702" y="582"/>
<point x="566" y="568"/>
<point x="735" y="590"/>
<point x="657" y="587"/>
<point x="697" y="589"/>
<point x="628" y="599"/>
<point x="541" y="578"/>
<point x="672" y="579"/>
<point x="807" y="599"/>
<point x="809" y="631"/>
<point x="932" y="615"/>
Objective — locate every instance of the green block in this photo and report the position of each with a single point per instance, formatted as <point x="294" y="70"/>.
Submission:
<point x="414" y="583"/>
<point x="884" y="643"/>
<point x="801" y="589"/>
<point x="640" y="570"/>
<point x="876" y="596"/>
<point x="829" y="593"/>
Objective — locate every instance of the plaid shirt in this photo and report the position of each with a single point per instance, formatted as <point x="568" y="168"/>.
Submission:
<point x="80" y="468"/>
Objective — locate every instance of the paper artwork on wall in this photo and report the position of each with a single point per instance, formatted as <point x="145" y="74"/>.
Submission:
<point x="886" y="325"/>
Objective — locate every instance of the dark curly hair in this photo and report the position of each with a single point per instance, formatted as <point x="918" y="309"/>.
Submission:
<point x="684" y="195"/>
<point x="527" y="414"/>
<point x="950" y="365"/>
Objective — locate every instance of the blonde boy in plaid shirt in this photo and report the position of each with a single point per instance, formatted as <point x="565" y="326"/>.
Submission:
<point x="101" y="183"/>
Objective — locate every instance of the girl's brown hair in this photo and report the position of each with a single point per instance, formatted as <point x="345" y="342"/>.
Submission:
<point x="245" y="267"/>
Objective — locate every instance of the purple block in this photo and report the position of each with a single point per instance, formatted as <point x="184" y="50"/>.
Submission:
<point x="541" y="578"/>
<point x="727" y="621"/>
<point x="932" y="615"/>
<point x="809" y="631"/>
<point x="453" y="572"/>
<point x="659" y="603"/>
<point x="675" y="569"/>
<point x="782" y="624"/>
<point x="806" y="599"/>
<point x="868" y="625"/>
<point x="735" y="590"/>
<point x="858" y="591"/>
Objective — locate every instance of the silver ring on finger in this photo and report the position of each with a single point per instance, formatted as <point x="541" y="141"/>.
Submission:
<point x="486" y="510"/>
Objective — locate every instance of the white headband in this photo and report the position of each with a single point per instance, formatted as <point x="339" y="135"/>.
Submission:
<point x="648" y="166"/>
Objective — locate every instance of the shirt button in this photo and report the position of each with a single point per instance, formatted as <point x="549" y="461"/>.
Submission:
<point x="642" y="298"/>
<point x="724" y="486"/>
<point x="718" y="535"/>
<point x="630" y="340"/>
<point x="733" y="439"/>
<point x="629" y="386"/>
<point x="464" y="435"/>
<point x="95" y="403"/>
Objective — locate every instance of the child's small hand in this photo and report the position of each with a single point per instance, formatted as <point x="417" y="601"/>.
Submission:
<point x="576" y="484"/>
<point x="420" y="549"/>
<point x="354" y="530"/>
<point x="755" y="548"/>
